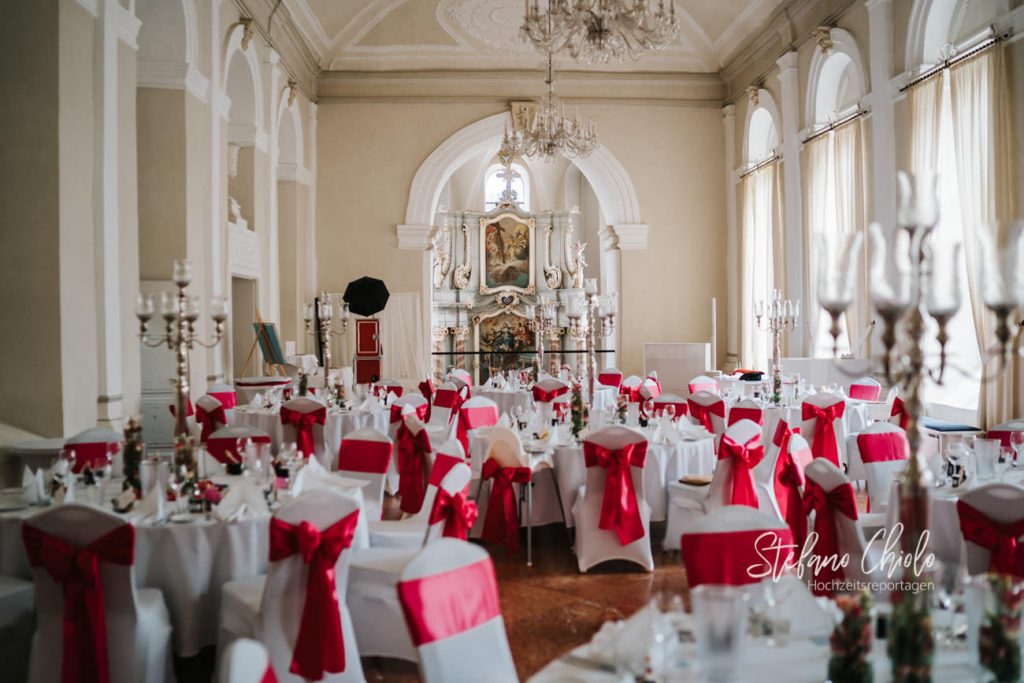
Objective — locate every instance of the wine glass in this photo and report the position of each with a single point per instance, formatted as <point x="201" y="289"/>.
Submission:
<point x="1017" y="442"/>
<point x="1005" y="461"/>
<point x="670" y="411"/>
<point x="649" y="409"/>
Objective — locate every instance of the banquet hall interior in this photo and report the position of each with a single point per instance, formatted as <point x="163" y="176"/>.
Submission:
<point x="501" y="340"/>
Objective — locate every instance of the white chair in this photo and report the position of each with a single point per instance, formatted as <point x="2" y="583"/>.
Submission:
<point x="998" y="509"/>
<point x="372" y="595"/>
<point x="880" y="452"/>
<point x="462" y="376"/>
<point x="610" y="377"/>
<point x="138" y="626"/>
<point x="594" y="544"/>
<point x="708" y="411"/>
<point x="413" y="453"/>
<point x="403" y="405"/>
<point x="390" y="386"/>
<point x="210" y="415"/>
<point x="476" y="413"/>
<point x="746" y="410"/>
<point x="454" y="581"/>
<point x="545" y="391"/>
<point x="650" y="389"/>
<point x="408" y="532"/>
<point x="703" y="383"/>
<point x="865" y="389"/>
<point x="780" y="478"/>
<point x="723" y="546"/>
<point x="225" y="393"/>
<point x="17" y="623"/>
<point x="365" y="454"/>
<point x="444" y="412"/>
<point x="245" y="661"/>
<point x="302" y="421"/>
<point x="630" y="386"/>
<point x="833" y="407"/>
<point x="270" y="608"/>
<point x="678" y="403"/>
<point x="92" y="446"/>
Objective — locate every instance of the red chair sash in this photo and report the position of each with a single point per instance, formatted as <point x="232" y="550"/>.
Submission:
<point x="443" y="464"/>
<point x="268" y="675"/>
<point x="210" y="421"/>
<point x="189" y="410"/>
<point x="426" y="388"/>
<point x="681" y="408"/>
<point x="474" y="418"/>
<point x="865" y="392"/>
<point x="93" y="454"/>
<point x="899" y="409"/>
<point x="396" y="389"/>
<point x="502" y="520"/>
<point x="1002" y="540"/>
<point x="632" y="394"/>
<point x="1002" y="435"/>
<point x="620" y="510"/>
<point x="372" y="457"/>
<point x="735" y="558"/>
<point x="703" y="386"/>
<point x="303" y="423"/>
<point x="702" y="414"/>
<point x="320" y="645"/>
<point x="745" y="457"/>
<point x="825" y="444"/>
<point x="413" y="452"/>
<point x="445" y="605"/>
<point x="882" y="447"/>
<point x="459" y="513"/>
<point x="542" y="395"/>
<point x="228" y="399"/>
<point x="825" y="505"/>
<point x="84" y="656"/>
<point x="220" y="447"/>
<point x="789" y="479"/>
<point x="610" y="379"/>
<point x="422" y="412"/>
<point x="741" y="413"/>
<point x="446" y="398"/>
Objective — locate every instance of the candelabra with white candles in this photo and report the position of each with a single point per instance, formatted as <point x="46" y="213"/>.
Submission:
<point x="180" y="312"/>
<point x="591" y="315"/>
<point x="922" y="279"/>
<point x="542" y="319"/>
<point x="325" y="319"/>
<point x="775" y="316"/>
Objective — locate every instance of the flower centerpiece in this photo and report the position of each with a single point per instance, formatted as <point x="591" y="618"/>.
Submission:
<point x="850" y="641"/>
<point x="133" y="453"/>
<point x="303" y="383"/>
<point x="621" y="407"/>
<point x="580" y="411"/>
<point x="999" y="635"/>
<point x="184" y="463"/>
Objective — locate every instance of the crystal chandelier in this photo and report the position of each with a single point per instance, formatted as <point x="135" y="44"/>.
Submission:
<point x="594" y="31"/>
<point x="545" y="132"/>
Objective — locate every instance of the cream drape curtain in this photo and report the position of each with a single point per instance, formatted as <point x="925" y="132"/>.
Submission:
<point x="924" y="101"/>
<point x="983" y="143"/>
<point x="762" y="240"/>
<point x="835" y="202"/>
<point x="405" y="355"/>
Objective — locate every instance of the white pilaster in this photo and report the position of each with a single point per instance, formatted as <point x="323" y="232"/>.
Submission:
<point x="311" y="250"/>
<point x="793" y="202"/>
<point x="414" y="237"/>
<point x="883" y="127"/>
<point x="273" y="248"/>
<point x="216" y="284"/>
<point x="732" y="240"/>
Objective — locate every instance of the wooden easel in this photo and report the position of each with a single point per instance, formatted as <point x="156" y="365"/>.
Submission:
<point x="268" y="368"/>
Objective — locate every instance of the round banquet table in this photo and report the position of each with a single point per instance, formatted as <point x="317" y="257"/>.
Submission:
<point x="507" y="400"/>
<point x="189" y="561"/>
<point x="665" y="463"/>
<point x="248" y="387"/>
<point x="337" y="425"/>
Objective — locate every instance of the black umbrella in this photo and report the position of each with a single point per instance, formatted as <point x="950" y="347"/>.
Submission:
<point x="366" y="296"/>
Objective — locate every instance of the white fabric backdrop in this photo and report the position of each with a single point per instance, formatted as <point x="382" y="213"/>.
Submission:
<point x="405" y="357"/>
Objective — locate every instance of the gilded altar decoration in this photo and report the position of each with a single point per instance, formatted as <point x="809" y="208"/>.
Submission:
<point x="442" y="261"/>
<point x="552" y="273"/>
<point x="574" y="260"/>
<point x="506" y="335"/>
<point x="463" y="270"/>
<point x="506" y="252"/>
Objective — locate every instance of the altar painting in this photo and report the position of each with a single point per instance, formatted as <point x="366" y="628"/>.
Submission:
<point x="506" y="246"/>
<point x="503" y="338"/>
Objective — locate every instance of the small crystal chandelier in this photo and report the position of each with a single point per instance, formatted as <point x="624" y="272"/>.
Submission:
<point x="545" y="131"/>
<point x="594" y="31"/>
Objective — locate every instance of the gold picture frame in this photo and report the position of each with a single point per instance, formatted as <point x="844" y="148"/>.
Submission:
<point x="507" y="254"/>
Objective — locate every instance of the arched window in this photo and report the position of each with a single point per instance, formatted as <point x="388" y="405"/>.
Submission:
<point x="494" y="185"/>
<point x="762" y="138"/>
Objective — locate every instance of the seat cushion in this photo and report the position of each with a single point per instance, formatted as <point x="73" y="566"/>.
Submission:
<point x="240" y="606"/>
<point x="403" y="533"/>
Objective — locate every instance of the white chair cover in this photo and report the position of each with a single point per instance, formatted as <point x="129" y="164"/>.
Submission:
<point x="823" y="473"/>
<point x="595" y="545"/>
<point x="715" y="407"/>
<point x="366" y="454"/>
<point x="245" y="661"/>
<point x="865" y="389"/>
<point x="703" y="383"/>
<point x="211" y="409"/>
<point x="610" y="377"/>
<point x="455" y="579"/>
<point x="17" y="621"/>
<point x="1001" y="503"/>
<point x="746" y="409"/>
<point x="305" y="405"/>
<point x="880" y="452"/>
<point x="92" y="445"/>
<point x="138" y="626"/>
<point x="809" y="427"/>
<point x="650" y="389"/>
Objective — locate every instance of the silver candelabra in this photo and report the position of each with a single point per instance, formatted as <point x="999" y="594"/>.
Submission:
<point x="542" y="320"/>
<point x="776" y="316"/>
<point x="325" y="314"/>
<point x="591" y="315"/>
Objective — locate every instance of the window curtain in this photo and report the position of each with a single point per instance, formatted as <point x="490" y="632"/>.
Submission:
<point x="835" y="203"/>
<point x="984" y="144"/>
<point x="401" y="334"/>
<point x="763" y="270"/>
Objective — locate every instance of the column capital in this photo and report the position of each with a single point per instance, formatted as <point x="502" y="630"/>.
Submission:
<point x="729" y="112"/>
<point x="414" y="237"/>
<point x="632" y="236"/>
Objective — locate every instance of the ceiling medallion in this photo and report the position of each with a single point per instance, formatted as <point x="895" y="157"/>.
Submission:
<point x="544" y="131"/>
<point x="595" y="31"/>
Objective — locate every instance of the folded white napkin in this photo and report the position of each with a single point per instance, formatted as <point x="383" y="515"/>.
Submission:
<point x="665" y="431"/>
<point x="370" y="403"/>
<point x="33" y="487"/>
<point x="312" y="476"/>
<point x="243" y="499"/>
<point x="152" y="506"/>
<point x="505" y="421"/>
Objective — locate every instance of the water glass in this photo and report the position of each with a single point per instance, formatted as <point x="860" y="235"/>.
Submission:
<point x="721" y="624"/>
<point x="1017" y="441"/>
<point x="986" y="454"/>
<point x="152" y="471"/>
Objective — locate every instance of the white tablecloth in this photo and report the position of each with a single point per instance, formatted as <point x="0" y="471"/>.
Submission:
<point x="506" y="400"/>
<point x="37" y="453"/>
<point x="189" y="562"/>
<point x="337" y="425"/>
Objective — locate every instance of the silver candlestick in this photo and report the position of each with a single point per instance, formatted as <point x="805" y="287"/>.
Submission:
<point x="777" y="316"/>
<point x="325" y="310"/>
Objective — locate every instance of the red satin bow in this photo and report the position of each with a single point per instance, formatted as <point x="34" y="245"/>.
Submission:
<point x="427" y="389"/>
<point x="702" y="414"/>
<point x="745" y="457"/>
<point x="459" y="514"/>
<point x="210" y="420"/>
<point x="451" y="400"/>
<point x="825" y="505"/>
<point x="899" y="408"/>
<point x="320" y="645"/>
<point x="825" y="445"/>
<point x="789" y="480"/>
<point x="541" y="395"/>
<point x="413" y="450"/>
<point x="632" y="394"/>
<point x="620" y="510"/>
<point x="84" y="651"/>
<point x="1006" y="552"/>
<point x="422" y="411"/>
<point x="303" y="423"/>
<point x="502" y="520"/>
<point x="268" y="675"/>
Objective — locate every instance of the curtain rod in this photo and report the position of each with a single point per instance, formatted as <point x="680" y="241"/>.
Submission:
<point x="946" y="63"/>
<point x="832" y="126"/>
<point x="759" y="165"/>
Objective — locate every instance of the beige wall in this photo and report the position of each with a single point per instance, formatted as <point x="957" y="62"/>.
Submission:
<point x="162" y="191"/>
